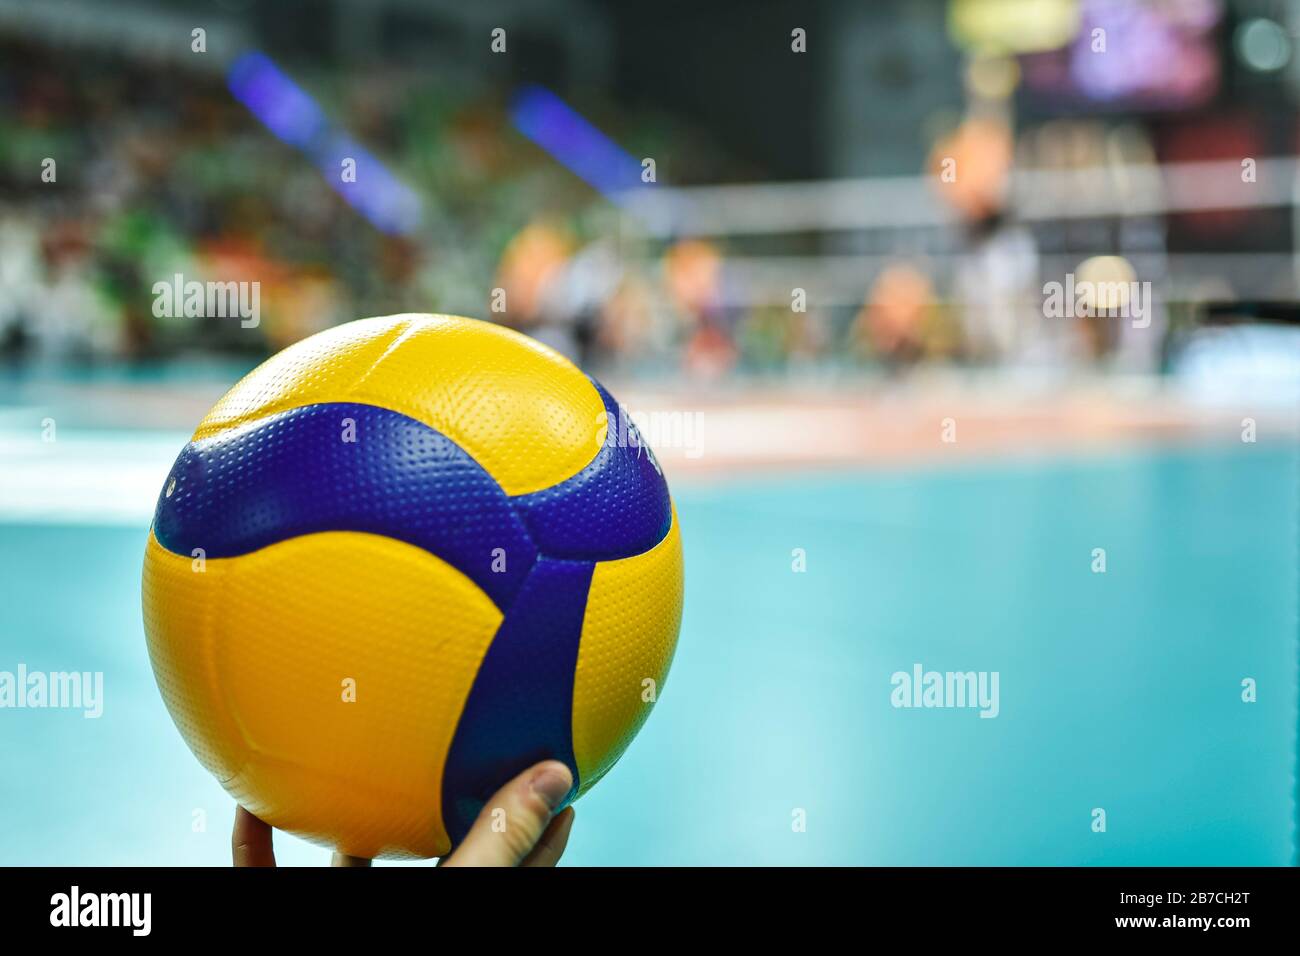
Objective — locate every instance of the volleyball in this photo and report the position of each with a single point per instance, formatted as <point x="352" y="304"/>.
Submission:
<point x="397" y="564"/>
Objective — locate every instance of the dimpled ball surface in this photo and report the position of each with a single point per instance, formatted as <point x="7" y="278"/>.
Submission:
<point x="397" y="564"/>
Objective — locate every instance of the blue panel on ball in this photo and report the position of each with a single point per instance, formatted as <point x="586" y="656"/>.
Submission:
<point x="520" y="709"/>
<point x="616" y="507"/>
<point x="344" y="467"/>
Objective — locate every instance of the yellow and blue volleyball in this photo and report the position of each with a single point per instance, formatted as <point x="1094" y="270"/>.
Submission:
<point x="399" y="563"/>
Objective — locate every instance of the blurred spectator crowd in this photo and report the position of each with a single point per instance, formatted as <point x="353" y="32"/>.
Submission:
<point x="159" y="172"/>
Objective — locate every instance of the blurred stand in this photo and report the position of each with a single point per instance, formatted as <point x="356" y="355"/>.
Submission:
<point x="481" y="192"/>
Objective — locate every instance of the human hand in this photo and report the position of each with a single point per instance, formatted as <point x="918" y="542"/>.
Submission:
<point x="534" y="835"/>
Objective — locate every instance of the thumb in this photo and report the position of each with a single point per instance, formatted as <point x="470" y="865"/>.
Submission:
<point x="250" y="843"/>
<point x="513" y="821"/>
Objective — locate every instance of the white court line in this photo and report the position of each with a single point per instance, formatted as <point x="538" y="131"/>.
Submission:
<point x="84" y="477"/>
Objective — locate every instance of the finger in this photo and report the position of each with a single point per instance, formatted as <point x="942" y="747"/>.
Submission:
<point x="250" y="843"/>
<point x="514" y="820"/>
<point x="342" y="859"/>
<point x="553" y="841"/>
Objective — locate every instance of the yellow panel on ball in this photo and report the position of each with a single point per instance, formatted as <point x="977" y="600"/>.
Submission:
<point x="523" y="411"/>
<point x="323" y="682"/>
<point x="181" y="598"/>
<point x="641" y="596"/>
